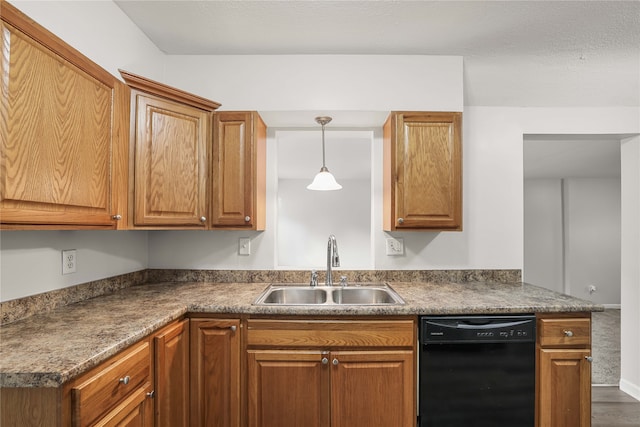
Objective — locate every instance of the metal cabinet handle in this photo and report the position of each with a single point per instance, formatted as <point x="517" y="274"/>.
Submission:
<point x="233" y="328"/>
<point x="117" y="217"/>
<point x="125" y="380"/>
<point x="324" y="360"/>
<point x="589" y="358"/>
<point x="203" y="219"/>
<point x="151" y="394"/>
<point x="335" y="361"/>
<point x="247" y="218"/>
<point x="568" y="333"/>
<point x="400" y="220"/>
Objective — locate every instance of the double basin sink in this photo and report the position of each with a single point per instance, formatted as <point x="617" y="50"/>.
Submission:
<point x="299" y="294"/>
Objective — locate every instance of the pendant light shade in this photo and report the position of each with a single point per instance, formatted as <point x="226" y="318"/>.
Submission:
<point x="324" y="180"/>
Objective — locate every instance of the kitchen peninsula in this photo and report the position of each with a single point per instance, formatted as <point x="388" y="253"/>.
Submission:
<point x="49" y="351"/>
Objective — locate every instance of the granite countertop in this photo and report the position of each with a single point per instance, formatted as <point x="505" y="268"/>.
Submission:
<point x="47" y="350"/>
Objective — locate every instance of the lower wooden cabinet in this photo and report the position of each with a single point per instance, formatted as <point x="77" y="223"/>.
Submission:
<point x="215" y="372"/>
<point x="564" y="370"/>
<point x="334" y="373"/>
<point x="116" y="393"/>
<point x="171" y="346"/>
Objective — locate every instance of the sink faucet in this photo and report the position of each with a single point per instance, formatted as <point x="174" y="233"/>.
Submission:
<point x="333" y="259"/>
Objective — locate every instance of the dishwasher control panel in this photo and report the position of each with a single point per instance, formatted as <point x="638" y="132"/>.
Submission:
<point x="460" y="329"/>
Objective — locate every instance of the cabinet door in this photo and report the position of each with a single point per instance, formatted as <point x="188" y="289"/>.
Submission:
<point x="64" y="133"/>
<point x="172" y="375"/>
<point x="564" y="388"/>
<point x="288" y="388"/>
<point x="136" y="411"/>
<point x="215" y="372"/>
<point x="170" y="175"/>
<point x="372" y="389"/>
<point x="239" y="167"/>
<point x="422" y="171"/>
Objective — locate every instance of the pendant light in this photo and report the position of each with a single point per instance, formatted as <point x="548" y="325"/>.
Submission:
<point x="324" y="180"/>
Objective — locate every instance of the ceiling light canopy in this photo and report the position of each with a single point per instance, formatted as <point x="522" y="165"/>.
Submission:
<point x="324" y="180"/>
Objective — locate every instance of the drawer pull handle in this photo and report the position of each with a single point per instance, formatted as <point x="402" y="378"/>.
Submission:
<point x="151" y="394"/>
<point x="325" y="360"/>
<point x="233" y="328"/>
<point x="116" y="217"/>
<point x="568" y="333"/>
<point x="589" y="358"/>
<point x="247" y="218"/>
<point x="125" y="380"/>
<point x="335" y="361"/>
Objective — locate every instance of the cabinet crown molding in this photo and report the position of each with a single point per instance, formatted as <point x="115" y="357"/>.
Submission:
<point x="156" y="88"/>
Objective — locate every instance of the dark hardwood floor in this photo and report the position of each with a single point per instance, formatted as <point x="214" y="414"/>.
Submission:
<point x="612" y="408"/>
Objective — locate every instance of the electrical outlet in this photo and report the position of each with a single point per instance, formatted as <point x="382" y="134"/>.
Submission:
<point x="69" y="261"/>
<point x="395" y="246"/>
<point x="244" y="246"/>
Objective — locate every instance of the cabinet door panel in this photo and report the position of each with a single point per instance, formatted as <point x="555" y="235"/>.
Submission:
<point x="170" y="163"/>
<point x="172" y="376"/>
<point x="564" y="388"/>
<point x="238" y="178"/>
<point x="372" y="389"/>
<point x="63" y="133"/>
<point x="422" y="171"/>
<point x="287" y="388"/>
<point x="215" y="372"/>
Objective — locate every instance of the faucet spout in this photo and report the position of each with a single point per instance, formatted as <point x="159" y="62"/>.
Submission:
<point x="333" y="259"/>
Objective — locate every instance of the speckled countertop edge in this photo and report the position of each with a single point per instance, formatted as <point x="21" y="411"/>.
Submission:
<point x="50" y="349"/>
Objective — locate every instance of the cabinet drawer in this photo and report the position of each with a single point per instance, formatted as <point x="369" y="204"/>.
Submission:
<point x="331" y="333"/>
<point x="567" y="332"/>
<point x="106" y="386"/>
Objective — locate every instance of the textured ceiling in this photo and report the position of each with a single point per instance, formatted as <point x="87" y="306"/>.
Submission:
<point x="516" y="53"/>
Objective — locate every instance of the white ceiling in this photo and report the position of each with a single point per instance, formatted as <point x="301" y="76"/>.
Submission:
<point x="516" y="53"/>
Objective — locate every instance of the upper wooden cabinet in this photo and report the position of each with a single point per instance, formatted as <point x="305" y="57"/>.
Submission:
<point x="239" y="171"/>
<point x="63" y="135"/>
<point x="169" y="148"/>
<point x="422" y="171"/>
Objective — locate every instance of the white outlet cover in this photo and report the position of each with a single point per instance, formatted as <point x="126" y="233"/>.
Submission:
<point x="395" y="246"/>
<point x="69" y="261"/>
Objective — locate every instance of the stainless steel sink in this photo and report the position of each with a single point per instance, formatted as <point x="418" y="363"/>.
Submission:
<point x="367" y="296"/>
<point x="295" y="296"/>
<point x="300" y="294"/>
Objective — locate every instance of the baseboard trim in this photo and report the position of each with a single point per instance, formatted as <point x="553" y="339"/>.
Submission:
<point x="612" y="306"/>
<point x="630" y="388"/>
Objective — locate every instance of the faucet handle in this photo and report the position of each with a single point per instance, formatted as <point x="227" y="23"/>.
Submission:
<point x="343" y="280"/>
<point x="314" y="278"/>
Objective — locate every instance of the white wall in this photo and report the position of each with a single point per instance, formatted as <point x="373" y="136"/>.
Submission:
<point x="592" y="238"/>
<point x="630" y="313"/>
<point x="31" y="261"/>
<point x="543" y="231"/>
<point x="572" y="236"/>
<point x="322" y="82"/>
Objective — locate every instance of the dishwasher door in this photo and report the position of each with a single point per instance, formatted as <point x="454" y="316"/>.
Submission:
<point x="477" y="371"/>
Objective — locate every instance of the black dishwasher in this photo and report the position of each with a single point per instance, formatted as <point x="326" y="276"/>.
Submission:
<point x="477" y="371"/>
